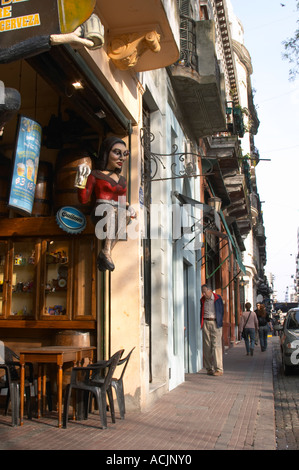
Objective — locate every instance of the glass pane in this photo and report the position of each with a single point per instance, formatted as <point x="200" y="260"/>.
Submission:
<point x="57" y="263"/>
<point x="23" y="279"/>
<point x="2" y="267"/>
<point x="293" y="322"/>
<point x="84" y="273"/>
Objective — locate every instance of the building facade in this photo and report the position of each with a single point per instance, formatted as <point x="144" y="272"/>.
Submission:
<point x="165" y="77"/>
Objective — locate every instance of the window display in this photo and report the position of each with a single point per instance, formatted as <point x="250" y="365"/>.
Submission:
<point x="48" y="279"/>
<point x="23" y="280"/>
<point x="3" y="251"/>
<point x="56" y="286"/>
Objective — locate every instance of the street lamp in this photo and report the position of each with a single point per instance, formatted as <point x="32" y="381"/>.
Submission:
<point x="215" y="202"/>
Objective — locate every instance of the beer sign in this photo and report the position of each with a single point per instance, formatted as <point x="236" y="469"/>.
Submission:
<point x="26" y="163"/>
<point x="24" y="19"/>
<point x="26" y="25"/>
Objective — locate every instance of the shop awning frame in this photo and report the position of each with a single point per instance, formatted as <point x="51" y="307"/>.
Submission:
<point x="236" y="249"/>
<point x="234" y="244"/>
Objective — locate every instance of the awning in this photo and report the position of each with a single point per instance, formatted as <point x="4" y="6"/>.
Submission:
<point x="229" y="237"/>
<point x="188" y="200"/>
<point x="213" y="173"/>
<point x="236" y="248"/>
<point x="208" y="229"/>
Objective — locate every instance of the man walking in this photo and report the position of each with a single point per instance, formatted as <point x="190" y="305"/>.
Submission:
<point x="212" y="312"/>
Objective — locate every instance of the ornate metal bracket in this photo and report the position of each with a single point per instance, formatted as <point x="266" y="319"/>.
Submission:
<point x="185" y="165"/>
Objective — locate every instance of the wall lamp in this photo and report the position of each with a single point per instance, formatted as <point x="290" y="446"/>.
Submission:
<point x="215" y="203"/>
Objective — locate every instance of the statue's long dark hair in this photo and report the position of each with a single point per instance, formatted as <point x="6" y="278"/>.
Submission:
<point x="106" y="146"/>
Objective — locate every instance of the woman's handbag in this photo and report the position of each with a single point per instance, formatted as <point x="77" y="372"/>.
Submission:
<point x="243" y="332"/>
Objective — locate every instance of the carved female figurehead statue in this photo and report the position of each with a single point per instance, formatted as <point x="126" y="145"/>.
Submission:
<point x="109" y="187"/>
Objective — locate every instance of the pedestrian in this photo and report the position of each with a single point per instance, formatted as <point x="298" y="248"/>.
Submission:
<point x="249" y="328"/>
<point x="264" y="325"/>
<point x="212" y="312"/>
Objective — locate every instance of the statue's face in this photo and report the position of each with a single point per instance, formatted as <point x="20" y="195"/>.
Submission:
<point x="117" y="157"/>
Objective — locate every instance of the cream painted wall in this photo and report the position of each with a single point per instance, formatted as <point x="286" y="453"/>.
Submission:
<point x="121" y="85"/>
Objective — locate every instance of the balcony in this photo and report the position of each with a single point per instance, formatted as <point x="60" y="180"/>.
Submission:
<point x="196" y="79"/>
<point x="260" y="232"/>
<point x="143" y="35"/>
<point x="235" y="122"/>
<point x="255" y="207"/>
<point x="239" y="208"/>
<point x="226" y="151"/>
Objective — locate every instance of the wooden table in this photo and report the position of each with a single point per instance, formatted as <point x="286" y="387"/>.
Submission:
<point x="58" y="355"/>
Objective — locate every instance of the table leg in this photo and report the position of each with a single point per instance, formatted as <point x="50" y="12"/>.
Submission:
<point x="15" y="402"/>
<point x="59" y="393"/>
<point x="44" y="387"/>
<point x="74" y="398"/>
<point x="22" y="391"/>
<point x="39" y="390"/>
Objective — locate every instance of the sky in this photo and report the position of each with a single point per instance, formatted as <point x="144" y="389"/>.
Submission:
<point x="266" y="25"/>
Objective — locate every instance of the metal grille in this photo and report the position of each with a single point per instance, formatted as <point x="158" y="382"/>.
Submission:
<point x="188" y="56"/>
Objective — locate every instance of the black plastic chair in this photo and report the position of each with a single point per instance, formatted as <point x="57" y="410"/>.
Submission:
<point x="118" y="385"/>
<point x="12" y="382"/>
<point x="93" y="382"/>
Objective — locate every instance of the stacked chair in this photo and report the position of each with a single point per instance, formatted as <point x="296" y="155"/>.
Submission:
<point x="96" y="380"/>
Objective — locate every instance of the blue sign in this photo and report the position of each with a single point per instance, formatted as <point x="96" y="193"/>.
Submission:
<point x="25" y="165"/>
<point x="71" y="220"/>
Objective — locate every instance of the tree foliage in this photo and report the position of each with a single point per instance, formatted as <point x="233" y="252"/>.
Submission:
<point x="291" y="52"/>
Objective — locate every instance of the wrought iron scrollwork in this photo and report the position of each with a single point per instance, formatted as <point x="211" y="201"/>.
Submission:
<point x="180" y="168"/>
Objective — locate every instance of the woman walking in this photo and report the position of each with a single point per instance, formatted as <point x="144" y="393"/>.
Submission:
<point x="264" y="325"/>
<point x="249" y="328"/>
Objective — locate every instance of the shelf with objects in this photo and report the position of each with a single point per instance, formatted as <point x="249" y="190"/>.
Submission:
<point x="46" y="280"/>
<point x="22" y="279"/>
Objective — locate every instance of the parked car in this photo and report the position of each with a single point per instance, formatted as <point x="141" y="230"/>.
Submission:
<point x="289" y="341"/>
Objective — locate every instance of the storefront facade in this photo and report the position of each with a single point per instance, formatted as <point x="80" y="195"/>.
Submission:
<point x="128" y="73"/>
<point x="50" y="285"/>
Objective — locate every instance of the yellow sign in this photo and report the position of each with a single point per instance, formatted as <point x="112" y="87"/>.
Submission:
<point x="73" y="13"/>
<point x="20" y="22"/>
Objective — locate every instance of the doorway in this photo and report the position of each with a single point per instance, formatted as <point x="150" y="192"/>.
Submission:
<point x="186" y="319"/>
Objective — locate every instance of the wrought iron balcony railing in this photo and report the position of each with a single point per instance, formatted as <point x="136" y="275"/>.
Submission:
<point x="188" y="56"/>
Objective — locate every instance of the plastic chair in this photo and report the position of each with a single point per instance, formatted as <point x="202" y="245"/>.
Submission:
<point x="10" y="362"/>
<point x="118" y="385"/>
<point x="92" y="383"/>
<point x="12" y="395"/>
<point x="12" y="382"/>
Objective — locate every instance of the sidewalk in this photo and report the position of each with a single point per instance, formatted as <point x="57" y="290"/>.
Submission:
<point x="232" y="412"/>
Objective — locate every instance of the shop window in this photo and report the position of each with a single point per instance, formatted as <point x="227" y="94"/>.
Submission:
<point x="84" y="278"/>
<point x="23" y="281"/>
<point x="48" y="279"/>
<point x="3" y="275"/>
<point x="57" y="278"/>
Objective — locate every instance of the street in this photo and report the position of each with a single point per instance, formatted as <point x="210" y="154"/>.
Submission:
<point x="286" y="396"/>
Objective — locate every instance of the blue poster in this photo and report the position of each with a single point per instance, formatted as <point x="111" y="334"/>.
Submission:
<point x="25" y="165"/>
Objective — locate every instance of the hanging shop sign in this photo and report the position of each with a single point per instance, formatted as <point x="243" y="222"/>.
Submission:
<point x="71" y="220"/>
<point x="26" y="25"/>
<point x="25" y="168"/>
<point x="21" y="20"/>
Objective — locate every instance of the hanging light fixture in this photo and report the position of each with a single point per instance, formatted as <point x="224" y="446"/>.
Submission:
<point x="215" y="202"/>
